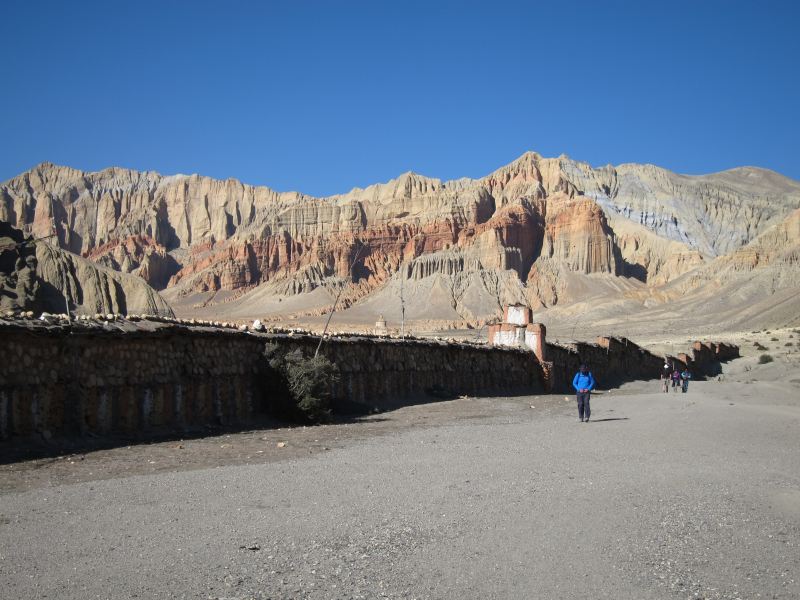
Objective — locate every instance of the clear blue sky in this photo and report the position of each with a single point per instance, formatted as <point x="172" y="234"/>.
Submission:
<point x="324" y="96"/>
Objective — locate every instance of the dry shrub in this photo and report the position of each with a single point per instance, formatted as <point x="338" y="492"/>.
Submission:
<point x="307" y="379"/>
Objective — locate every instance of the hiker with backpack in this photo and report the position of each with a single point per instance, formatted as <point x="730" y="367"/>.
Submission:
<point x="665" y="377"/>
<point x="676" y="380"/>
<point x="685" y="377"/>
<point x="583" y="382"/>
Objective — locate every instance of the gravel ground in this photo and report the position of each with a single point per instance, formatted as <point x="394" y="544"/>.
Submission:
<point x="661" y="496"/>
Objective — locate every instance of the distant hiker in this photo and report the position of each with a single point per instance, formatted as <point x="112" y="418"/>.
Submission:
<point x="685" y="377"/>
<point x="665" y="377"/>
<point x="583" y="382"/>
<point x="676" y="379"/>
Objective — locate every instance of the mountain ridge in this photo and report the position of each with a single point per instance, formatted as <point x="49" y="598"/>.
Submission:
<point x="541" y="219"/>
<point x="48" y="165"/>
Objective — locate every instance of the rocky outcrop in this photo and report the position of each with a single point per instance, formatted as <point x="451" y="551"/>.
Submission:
<point x="545" y="221"/>
<point x="38" y="277"/>
<point x="650" y="258"/>
<point x="578" y="236"/>
<point x="713" y="214"/>
<point x="19" y="285"/>
<point x="774" y="255"/>
<point x="91" y="289"/>
<point x="138" y="255"/>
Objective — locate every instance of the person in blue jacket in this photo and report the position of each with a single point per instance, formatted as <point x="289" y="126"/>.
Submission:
<point x="583" y="382"/>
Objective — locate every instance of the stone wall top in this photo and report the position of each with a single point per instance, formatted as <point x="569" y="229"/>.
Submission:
<point x="159" y="327"/>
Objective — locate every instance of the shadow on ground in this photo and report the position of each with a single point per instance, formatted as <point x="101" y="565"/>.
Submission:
<point x="18" y="450"/>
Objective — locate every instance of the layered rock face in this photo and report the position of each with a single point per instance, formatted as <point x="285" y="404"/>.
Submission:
<point x="19" y="286"/>
<point x="93" y="289"/>
<point x="38" y="277"/>
<point x="774" y="256"/>
<point x="540" y="221"/>
<point x="714" y="214"/>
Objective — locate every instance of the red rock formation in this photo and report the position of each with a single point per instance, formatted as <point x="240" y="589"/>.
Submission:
<point x="539" y="219"/>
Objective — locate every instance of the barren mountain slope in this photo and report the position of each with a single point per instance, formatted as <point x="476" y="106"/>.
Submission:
<point x="714" y="214"/>
<point x="92" y="288"/>
<point x="38" y="276"/>
<point x="543" y="231"/>
<point x="754" y="287"/>
<point x="768" y="264"/>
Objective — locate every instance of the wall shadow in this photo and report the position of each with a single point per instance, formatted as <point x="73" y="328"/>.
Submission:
<point x="344" y="412"/>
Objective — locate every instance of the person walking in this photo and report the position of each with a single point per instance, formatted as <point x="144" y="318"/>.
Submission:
<point x="665" y="377"/>
<point x="676" y="379"/>
<point x="583" y="382"/>
<point x="685" y="377"/>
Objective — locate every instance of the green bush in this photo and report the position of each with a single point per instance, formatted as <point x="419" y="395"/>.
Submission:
<point x="306" y="379"/>
<point x="764" y="359"/>
<point x="773" y="339"/>
<point x="760" y="346"/>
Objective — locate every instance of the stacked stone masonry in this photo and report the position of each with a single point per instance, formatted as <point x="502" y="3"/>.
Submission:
<point x="74" y="380"/>
<point x="59" y="383"/>
<point x="70" y="380"/>
<point x="616" y="360"/>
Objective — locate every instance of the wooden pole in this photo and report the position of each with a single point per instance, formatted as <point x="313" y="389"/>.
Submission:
<point x="335" y="302"/>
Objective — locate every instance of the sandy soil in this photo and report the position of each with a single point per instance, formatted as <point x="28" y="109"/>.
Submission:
<point x="661" y="496"/>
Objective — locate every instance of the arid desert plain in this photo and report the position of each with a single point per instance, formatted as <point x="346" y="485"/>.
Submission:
<point x="692" y="495"/>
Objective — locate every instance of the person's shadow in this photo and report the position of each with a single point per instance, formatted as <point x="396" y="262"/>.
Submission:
<point x="609" y="419"/>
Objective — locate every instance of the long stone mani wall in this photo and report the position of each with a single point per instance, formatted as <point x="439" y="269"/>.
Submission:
<point x="83" y="379"/>
<point x="612" y="360"/>
<point x="616" y="360"/>
<point x="75" y="380"/>
<point x="383" y="372"/>
<point x="66" y="383"/>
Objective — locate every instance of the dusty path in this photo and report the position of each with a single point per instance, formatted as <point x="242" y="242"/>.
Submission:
<point x="662" y="496"/>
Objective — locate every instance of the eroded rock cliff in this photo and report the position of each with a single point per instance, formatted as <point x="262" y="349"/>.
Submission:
<point x="540" y="221"/>
<point x="39" y="277"/>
